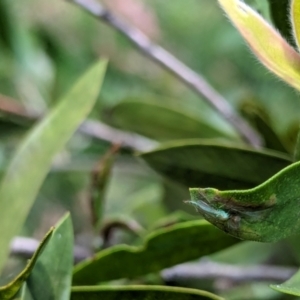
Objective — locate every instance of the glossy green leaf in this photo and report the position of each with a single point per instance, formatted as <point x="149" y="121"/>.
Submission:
<point x="9" y="290"/>
<point x="266" y="43"/>
<point x="140" y="293"/>
<point x="51" y="277"/>
<point x="295" y="20"/>
<point x="266" y="213"/>
<point x="280" y="12"/>
<point x="163" y="248"/>
<point x="160" y="122"/>
<point x="291" y="286"/>
<point x="203" y="163"/>
<point x="32" y="160"/>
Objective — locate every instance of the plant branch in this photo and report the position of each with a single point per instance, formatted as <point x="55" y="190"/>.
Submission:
<point x="107" y="133"/>
<point x="10" y="106"/>
<point x="95" y="129"/>
<point x="205" y="269"/>
<point x="25" y="247"/>
<point x="175" y="66"/>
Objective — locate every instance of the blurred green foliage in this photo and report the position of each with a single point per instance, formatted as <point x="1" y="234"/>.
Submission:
<point x="46" y="45"/>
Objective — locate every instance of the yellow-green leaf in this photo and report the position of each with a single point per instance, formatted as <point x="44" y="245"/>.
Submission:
<point x="267" y="44"/>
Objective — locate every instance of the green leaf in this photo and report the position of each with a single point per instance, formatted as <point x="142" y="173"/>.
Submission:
<point x="9" y="290"/>
<point x="162" y="248"/>
<point x="140" y="293"/>
<point x="203" y="163"/>
<point x="51" y="277"/>
<point x="295" y="20"/>
<point x="160" y="122"/>
<point x="32" y="160"/>
<point x="291" y="286"/>
<point x="280" y="12"/>
<point x="266" y="213"/>
<point x="266" y="43"/>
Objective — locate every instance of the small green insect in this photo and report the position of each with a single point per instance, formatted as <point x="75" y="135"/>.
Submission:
<point x="207" y="210"/>
<point x="266" y="213"/>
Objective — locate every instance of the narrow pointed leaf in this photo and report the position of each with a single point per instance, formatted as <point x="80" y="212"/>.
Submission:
<point x="162" y="248"/>
<point x="266" y="43"/>
<point x="140" y="293"/>
<point x="52" y="275"/>
<point x="32" y="160"/>
<point x="9" y="290"/>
